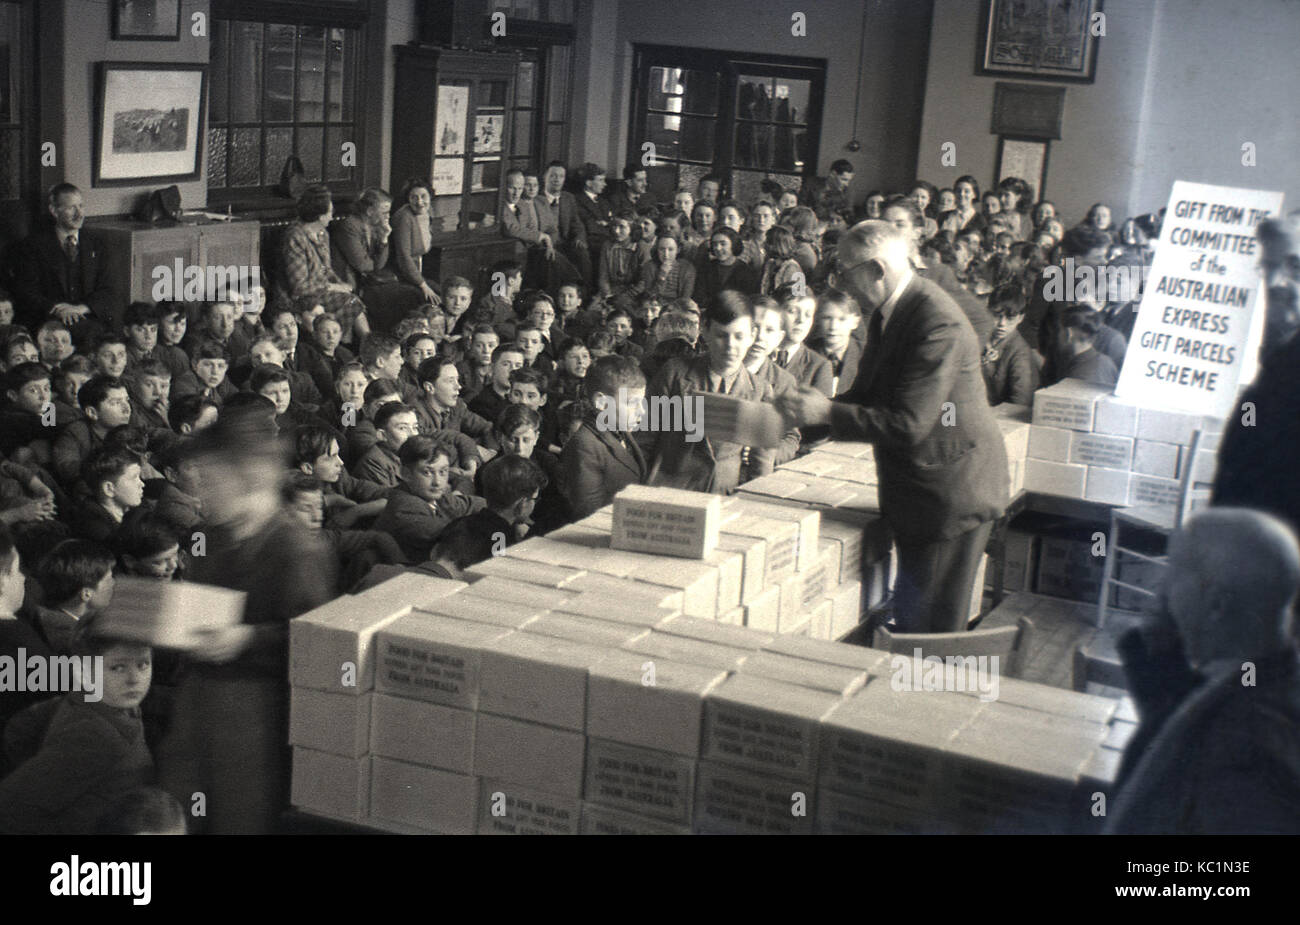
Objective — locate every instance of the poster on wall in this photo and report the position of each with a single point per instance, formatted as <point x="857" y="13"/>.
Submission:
<point x="1198" y="329"/>
<point x="1043" y="39"/>
<point x="1025" y="158"/>
<point x="448" y="176"/>
<point x="149" y="122"/>
<point x="487" y="133"/>
<point x="449" y="126"/>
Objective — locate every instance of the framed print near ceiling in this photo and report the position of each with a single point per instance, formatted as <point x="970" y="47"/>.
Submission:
<point x="1043" y="39"/>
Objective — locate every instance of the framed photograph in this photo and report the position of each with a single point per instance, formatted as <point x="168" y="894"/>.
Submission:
<point x="1028" y="110"/>
<point x="487" y="133"/>
<point x="147" y="20"/>
<point x="1044" y="39"/>
<point x="1025" y="158"/>
<point x="149" y="122"/>
<point x="451" y="119"/>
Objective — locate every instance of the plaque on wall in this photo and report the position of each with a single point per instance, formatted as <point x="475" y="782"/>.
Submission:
<point x="1041" y="39"/>
<point x="1027" y="110"/>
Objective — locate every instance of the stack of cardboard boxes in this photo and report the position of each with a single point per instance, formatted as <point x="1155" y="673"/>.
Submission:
<point x="426" y="705"/>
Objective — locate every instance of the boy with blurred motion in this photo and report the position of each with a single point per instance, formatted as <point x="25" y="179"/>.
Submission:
<point x="511" y="485"/>
<point x="798" y="310"/>
<point x="838" y="316"/>
<point x="599" y="461"/>
<point x="1076" y="356"/>
<point x="423" y="504"/>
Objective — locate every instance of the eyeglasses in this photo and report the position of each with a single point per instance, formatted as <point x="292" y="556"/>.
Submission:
<point x="838" y="272"/>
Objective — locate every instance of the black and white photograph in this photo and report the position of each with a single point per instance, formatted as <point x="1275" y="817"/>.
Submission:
<point x="676" y="418"/>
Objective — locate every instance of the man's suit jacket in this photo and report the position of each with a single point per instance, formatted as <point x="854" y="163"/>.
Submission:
<point x="920" y="398"/>
<point x="41" y="278"/>
<point x="704" y="465"/>
<point x="594" y="214"/>
<point x="848" y="363"/>
<point x="563" y="219"/>
<point x="976" y="309"/>
<point x="811" y="368"/>
<point x="355" y="251"/>
<point x="595" y="466"/>
<point x="415" y="526"/>
<point x="522" y="225"/>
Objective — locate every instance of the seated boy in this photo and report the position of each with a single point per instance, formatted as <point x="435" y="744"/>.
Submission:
<point x="517" y="432"/>
<point x="29" y="418"/>
<point x="838" y="316"/>
<point x="424" y="503"/>
<point x="497" y="307"/>
<point x="343" y="407"/>
<point x="356" y="552"/>
<point x="20" y="348"/>
<point x="209" y="363"/>
<point x="416" y="348"/>
<point x="264" y="351"/>
<point x="708" y="465"/>
<point x="532" y="341"/>
<point x="457" y="295"/>
<point x="109" y="355"/>
<point x="573" y="321"/>
<point x="361" y="435"/>
<point x="495" y="396"/>
<point x="348" y="500"/>
<point x="76" y="582"/>
<point x="1076" y="355"/>
<point x="148" y="548"/>
<point x="140" y="325"/>
<point x="539" y="313"/>
<point x="395" y="423"/>
<point x="327" y="340"/>
<point x="190" y="414"/>
<point x="602" y="457"/>
<point x="105" y="404"/>
<point x="66" y="381"/>
<point x="768" y="335"/>
<point x="54" y="341"/>
<point x="177" y="503"/>
<point x="511" y="485"/>
<point x="601" y="344"/>
<point x="475" y="367"/>
<point x="1009" y="366"/>
<point x="272" y="382"/>
<point x="115" y="488"/>
<point x="619" y="324"/>
<point x="172" y="322"/>
<point x="298" y="358"/>
<point x="93" y="751"/>
<point x="571" y="372"/>
<point x="150" y="385"/>
<point x="798" y="310"/>
<point x="219" y="322"/>
<point x="528" y="388"/>
<point x="441" y="410"/>
<point x="381" y="357"/>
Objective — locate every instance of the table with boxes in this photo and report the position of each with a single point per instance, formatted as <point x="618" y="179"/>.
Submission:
<point x="575" y="685"/>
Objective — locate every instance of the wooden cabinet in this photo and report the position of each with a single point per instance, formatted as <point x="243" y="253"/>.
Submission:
<point x="145" y="259"/>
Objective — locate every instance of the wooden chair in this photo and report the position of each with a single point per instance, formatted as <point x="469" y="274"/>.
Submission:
<point x="1153" y="521"/>
<point x="1009" y="643"/>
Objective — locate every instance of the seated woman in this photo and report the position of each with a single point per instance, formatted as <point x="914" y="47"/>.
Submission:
<point x="724" y="269"/>
<point x="1016" y="198"/>
<point x="412" y="236"/>
<point x="307" y="269"/>
<point x="924" y="195"/>
<point x="965" y="216"/>
<point x="807" y="237"/>
<point x="1099" y="218"/>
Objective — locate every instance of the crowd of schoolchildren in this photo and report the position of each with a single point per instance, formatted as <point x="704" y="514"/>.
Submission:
<point x="354" y="414"/>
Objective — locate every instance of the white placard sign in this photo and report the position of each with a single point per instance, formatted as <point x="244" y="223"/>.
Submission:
<point x="1199" y="325"/>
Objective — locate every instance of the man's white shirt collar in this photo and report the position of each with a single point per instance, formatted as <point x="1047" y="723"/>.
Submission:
<point x="888" y="308"/>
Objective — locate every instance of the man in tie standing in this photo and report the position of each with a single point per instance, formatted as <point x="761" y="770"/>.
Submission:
<point x="920" y="399"/>
<point x="61" y="272"/>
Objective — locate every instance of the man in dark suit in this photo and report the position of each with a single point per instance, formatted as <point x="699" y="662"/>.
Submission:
<point x="593" y="209"/>
<point x="558" y="209"/>
<point x="1225" y="757"/>
<point x="919" y="397"/>
<point x="630" y="194"/>
<point x="62" y="272"/>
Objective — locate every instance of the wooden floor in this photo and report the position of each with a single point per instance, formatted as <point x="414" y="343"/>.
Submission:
<point x="1061" y="627"/>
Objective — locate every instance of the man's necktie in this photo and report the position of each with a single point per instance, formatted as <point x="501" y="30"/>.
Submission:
<point x="783" y="358"/>
<point x="70" y="247"/>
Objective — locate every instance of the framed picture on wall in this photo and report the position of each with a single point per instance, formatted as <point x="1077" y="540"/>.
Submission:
<point x="149" y="122"/>
<point x="1025" y="158"/>
<point x="147" y="20"/>
<point x="1044" y="39"/>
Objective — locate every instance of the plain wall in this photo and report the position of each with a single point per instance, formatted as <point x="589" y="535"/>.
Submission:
<point x="891" y="78"/>
<point x="1180" y="84"/>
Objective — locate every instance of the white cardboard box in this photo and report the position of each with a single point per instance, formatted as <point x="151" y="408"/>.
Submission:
<point x="814" y="675"/>
<point x="426" y="734"/>
<point x="601" y="820"/>
<point x="739" y="637"/>
<point x="763" y="613"/>
<point x="738" y="801"/>
<point x="1116" y="417"/>
<point x="692" y="651"/>
<point x="433" y="659"/>
<point x="332" y="785"/>
<point x="765" y="725"/>
<point x="505" y="808"/>
<point x="529" y="755"/>
<point x="426" y="798"/>
<point x="1159" y="459"/>
<point x="640" y="780"/>
<point x="1054" y="478"/>
<point x="1050" y="443"/>
<point x="1071" y="404"/>
<point x="1101" y="450"/>
<point x="329" y="722"/>
<point x="586" y="630"/>
<point x="666" y="521"/>
<point x="649" y="701"/>
<point x="537" y="678"/>
<point x="806" y="520"/>
<point x="1107" y="486"/>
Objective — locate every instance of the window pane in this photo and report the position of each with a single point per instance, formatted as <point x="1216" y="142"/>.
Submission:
<point x="696" y="138"/>
<point x="791" y="101"/>
<point x="279" y="73"/>
<point x="492" y="93"/>
<point x="689" y="175"/>
<point x="310" y="141"/>
<point x="754" y="98"/>
<point x="311" y="74"/>
<point x="521" y="142"/>
<point x="279" y="145"/>
<point x="216" y="157"/>
<point x="754" y="144"/>
<point x="526" y="84"/>
<point x="245" y="156"/>
<point x="664" y="132"/>
<point x="559" y="10"/>
<point x="246" y="72"/>
<point x="484" y="175"/>
<point x="335" y="136"/>
<point x="218" y="110"/>
<point x="679" y="90"/>
<point x="746" y="185"/>
<point x="662" y="182"/>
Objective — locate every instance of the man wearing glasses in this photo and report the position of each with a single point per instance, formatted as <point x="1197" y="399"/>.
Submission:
<point x="920" y="399"/>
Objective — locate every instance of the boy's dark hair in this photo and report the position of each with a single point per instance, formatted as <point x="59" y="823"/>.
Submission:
<point x="908" y="205"/>
<point x="129" y="437"/>
<point x="839" y="298"/>
<point x="527" y="376"/>
<point x="422" y="449"/>
<point x="729" y="306"/>
<point x="456" y="282"/>
<point x="378" y="388"/>
<point x="145" y="536"/>
<point x="90" y="639"/>
<point x="389" y="411"/>
<point x="841" y="166"/>
<point x="352" y="367"/>
<point x="209" y="348"/>
<point x="409" y="344"/>
<point x="513" y="417"/>
<point x="431" y="368"/>
<point x="611" y="373"/>
<point x="587" y="172"/>
<point x="532" y="298"/>
<point x="24" y="373"/>
<point x="272" y="311"/>
<point x="106" y="464"/>
<point x="143" y="810"/>
<point x="376" y="346"/>
<point x="502" y="349"/>
<point x="152" y="368"/>
<point x="173" y="452"/>
<point x="568" y="344"/>
<point x="789" y="292"/>
<point x="168" y="308"/>
<point x="600" y="340"/>
<point x="509" y="479"/>
<point x="141" y="313"/>
<point x="618" y="313"/>
<point x="482" y="329"/>
<point x="187" y="410"/>
<point x="1081" y="239"/>
<point x="264" y="375"/>
<point x="96" y="389"/>
<point x="107" y="339"/>
<point x="245" y="432"/>
<point x="780" y="242"/>
<point x="508" y="267"/>
<point x="70" y="566"/>
<point x="310" y="442"/>
<point x="1008" y="299"/>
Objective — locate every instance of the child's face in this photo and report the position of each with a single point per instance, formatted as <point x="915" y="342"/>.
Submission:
<point x="521" y="442"/>
<point x="1101" y="217"/>
<point x="1007" y="322"/>
<point x="514" y="282"/>
<point x="308" y="507"/>
<point x="646" y="226"/>
<point x="649" y="310"/>
<point x="128" y="489"/>
<point x="160" y="565"/>
<point x="570" y="301"/>
<point x="769" y="334"/>
<point x="329" y="334"/>
<point x="531" y="341"/>
<point x="764" y="217"/>
<point x="874" y="204"/>
<point x="111" y="360"/>
<point x="835" y="324"/>
<point x="621" y="229"/>
<point x="153" y="390"/>
<point x="1003" y="245"/>
<point x="33" y="396"/>
<point x="481" y="348"/>
<point x="128" y="672"/>
<point x="526" y="394"/>
<point x="787" y="201"/>
<point x="708" y="190"/>
<point x="352" y="387"/>
<point x="620" y="326"/>
<point x="1010" y="199"/>
<point x="399" y="428"/>
<point x="24" y="352"/>
<point x="921" y="196"/>
<point x="992" y="204"/>
<point x="6" y="311"/>
<point x="455" y="302"/>
<point x="704" y="217"/>
<point x="728" y="344"/>
<point x="172" y="328"/>
<point x="372" y="408"/>
<point x="423" y="348"/>
<point x="285" y="331"/>
<point x="114" y="410"/>
<point x="732" y="218"/>
<point x="210" y="371"/>
<point x="720" y="248"/>
<point x="429" y="480"/>
<point x="683" y="202"/>
<point x="666" y="251"/>
<point x="221" y="319"/>
<point x="542" y="315"/>
<point x="577" y="361"/>
<point x="207" y="417"/>
<point x="55" y="346"/>
<point x="965" y="194"/>
<point x="329" y="467"/>
<point x="71" y="385"/>
<point x="797" y="316"/>
<point x="142" y="337"/>
<point x="446" y="388"/>
<point x="503" y="366"/>
<point x="266" y="351"/>
<point x="629" y="405"/>
<point x="390" y="364"/>
<point x="947" y="201"/>
<point x="280" y="395"/>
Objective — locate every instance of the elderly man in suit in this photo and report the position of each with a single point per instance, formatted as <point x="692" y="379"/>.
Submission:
<point x="532" y="224"/>
<point x="557" y="209"/>
<point x="62" y="272"/>
<point x="919" y="397"/>
<point x="1222" y="754"/>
